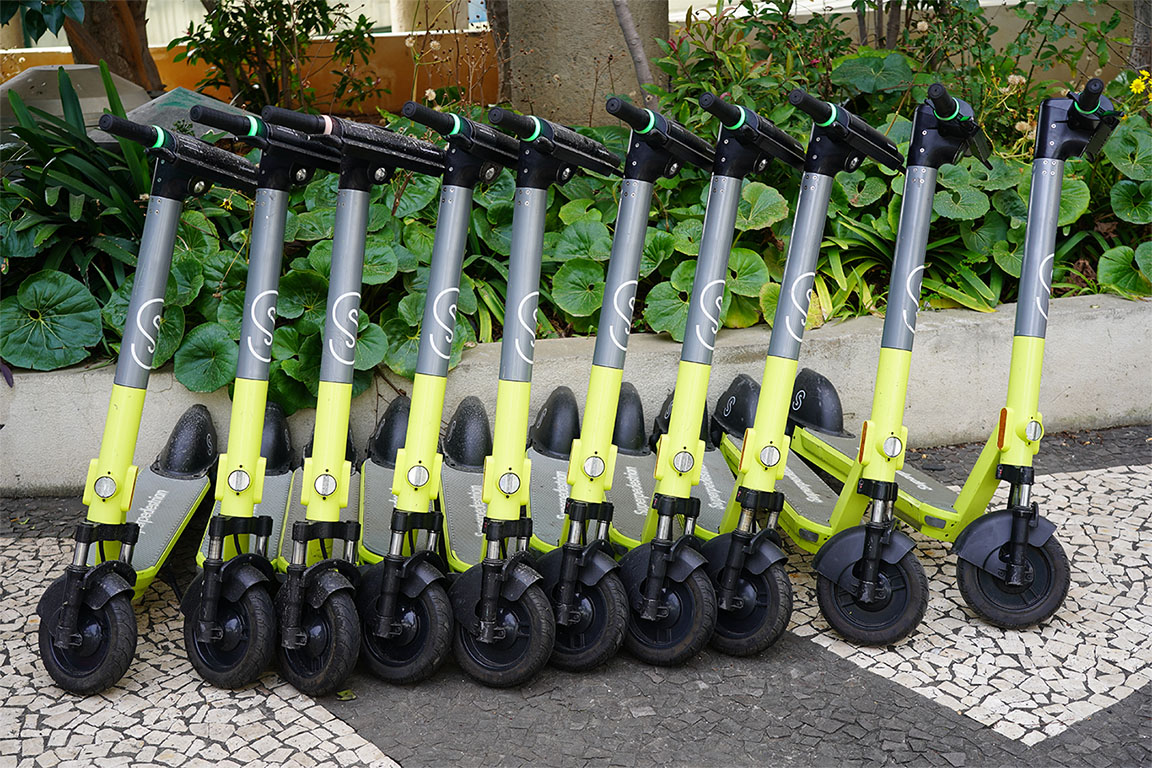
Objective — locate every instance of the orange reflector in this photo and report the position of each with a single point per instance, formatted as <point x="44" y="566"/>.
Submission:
<point x="1003" y="428"/>
<point x="863" y="439"/>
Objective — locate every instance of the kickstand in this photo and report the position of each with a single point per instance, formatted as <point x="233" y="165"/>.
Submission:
<point x="168" y="576"/>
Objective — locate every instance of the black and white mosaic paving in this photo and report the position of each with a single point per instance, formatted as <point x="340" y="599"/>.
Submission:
<point x="1030" y="685"/>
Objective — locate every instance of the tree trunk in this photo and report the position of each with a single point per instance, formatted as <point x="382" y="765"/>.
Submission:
<point x="878" y="16"/>
<point x="498" y="23"/>
<point x="862" y="21"/>
<point x="1140" y="57"/>
<point x="115" y="32"/>
<point x="635" y="50"/>
<point x="892" y="36"/>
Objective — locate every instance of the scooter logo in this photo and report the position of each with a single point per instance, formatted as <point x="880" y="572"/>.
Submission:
<point x="142" y="325"/>
<point x="715" y="500"/>
<point x="560" y="485"/>
<point x="257" y="313"/>
<point x="803" y="487"/>
<point x="444" y="313"/>
<point x="798" y="399"/>
<point x="913" y="300"/>
<point x="529" y="327"/>
<point x="802" y="309"/>
<point x="150" y="507"/>
<point x="713" y="320"/>
<point x="632" y="476"/>
<point x="625" y="295"/>
<point x="1043" y="305"/>
<point x="347" y="332"/>
<point x="729" y="405"/>
<point x="915" y="481"/>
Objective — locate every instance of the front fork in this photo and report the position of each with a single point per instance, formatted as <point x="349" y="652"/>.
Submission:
<point x="304" y="532"/>
<point x="667" y="508"/>
<point x="876" y="533"/>
<point x="87" y="534"/>
<point x="579" y="514"/>
<point x="396" y="562"/>
<point x="494" y="570"/>
<point x="752" y="504"/>
<point x="1025" y="515"/>
<point x="220" y="527"/>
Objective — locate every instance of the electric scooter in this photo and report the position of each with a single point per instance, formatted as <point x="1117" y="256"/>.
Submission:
<point x="87" y="630"/>
<point x="753" y="595"/>
<point x="1011" y="569"/>
<point x="588" y="597"/>
<point x="405" y="613"/>
<point x="229" y="619"/>
<point x="870" y="585"/>
<point x="671" y="596"/>
<point x="505" y="624"/>
<point x="319" y="624"/>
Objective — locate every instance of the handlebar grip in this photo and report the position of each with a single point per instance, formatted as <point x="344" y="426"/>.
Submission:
<point x="127" y="129"/>
<point x="1089" y="98"/>
<point x="521" y="125"/>
<point x="728" y="114"/>
<point x="819" y="111"/>
<point x="637" y="118"/>
<point x="441" y="122"/>
<point x="296" y="120"/>
<point x="232" y="122"/>
<point x="945" y="106"/>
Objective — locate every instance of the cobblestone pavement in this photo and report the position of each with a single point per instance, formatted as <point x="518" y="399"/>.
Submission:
<point x="958" y="693"/>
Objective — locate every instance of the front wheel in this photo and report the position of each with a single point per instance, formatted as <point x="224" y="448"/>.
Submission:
<point x="596" y="636"/>
<point x="249" y="641"/>
<point x="106" y="649"/>
<point x="683" y="631"/>
<point x="883" y="621"/>
<point x="529" y="634"/>
<point x="420" y="647"/>
<point x="329" y="654"/>
<point x="766" y="608"/>
<point x="1019" y="607"/>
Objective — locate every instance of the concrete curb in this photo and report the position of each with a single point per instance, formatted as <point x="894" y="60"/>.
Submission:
<point x="1097" y="373"/>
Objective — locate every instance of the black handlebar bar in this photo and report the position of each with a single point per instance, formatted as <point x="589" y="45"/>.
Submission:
<point x="1089" y="98"/>
<point x="126" y="129"/>
<point x="481" y="140"/>
<point x="554" y="139"/>
<point x="819" y="111"/>
<point x="664" y="132"/>
<point x="441" y="122"/>
<point x="638" y="119"/>
<point x="946" y="107"/>
<point x="725" y="112"/>
<point x="299" y="121"/>
<point x="753" y="130"/>
<point x="232" y="122"/>
<point x="857" y="133"/>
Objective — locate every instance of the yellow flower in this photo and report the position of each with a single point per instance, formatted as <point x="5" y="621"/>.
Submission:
<point x="1138" y="86"/>
<point x="1144" y="73"/>
<point x="226" y="204"/>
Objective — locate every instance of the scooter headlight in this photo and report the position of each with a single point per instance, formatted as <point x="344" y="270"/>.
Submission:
<point x="1033" y="430"/>
<point x="683" y="461"/>
<point x="105" y="487"/>
<point x="418" y="476"/>
<point x="508" y="483"/>
<point x="325" y="485"/>
<point x="892" y="447"/>
<point x="770" y="456"/>
<point x="594" y="467"/>
<point x="238" y="480"/>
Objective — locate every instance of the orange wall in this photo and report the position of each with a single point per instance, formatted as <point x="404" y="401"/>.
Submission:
<point x="464" y="59"/>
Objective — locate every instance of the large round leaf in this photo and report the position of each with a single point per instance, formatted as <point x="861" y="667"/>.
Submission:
<point x="196" y="237"/>
<point x="49" y="322"/>
<point x="684" y="275"/>
<point x="289" y="393"/>
<point x="1132" y="201"/>
<point x="666" y="309"/>
<point x="380" y="263"/>
<point x="578" y="288"/>
<point x="1130" y="148"/>
<point x="321" y="191"/>
<point x="860" y="189"/>
<point x="1119" y="268"/>
<point x="415" y="192"/>
<point x="371" y="347"/>
<point x="230" y="313"/>
<point x="962" y="203"/>
<point x="578" y="210"/>
<point x="586" y="239"/>
<point x="953" y="176"/>
<point x="1004" y="174"/>
<point x="419" y="239"/>
<point x="869" y="74"/>
<point x="746" y="272"/>
<point x="316" y="225"/>
<point x="742" y="312"/>
<point x="207" y="359"/>
<point x="760" y="206"/>
<point x="188" y="277"/>
<point x="686" y="236"/>
<point x="500" y="189"/>
<point x="658" y="246"/>
<point x="304" y="295"/>
<point x="1074" y="198"/>
<point x="982" y="236"/>
<point x="171" y="334"/>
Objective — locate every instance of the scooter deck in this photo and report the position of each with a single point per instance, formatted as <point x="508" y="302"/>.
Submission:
<point x="462" y="493"/>
<point x="549" y="492"/>
<point x="162" y="506"/>
<point x="378" y="502"/>
<point x="716" y="481"/>
<point x="297" y="511"/>
<point x="803" y="489"/>
<point x="914" y="482"/>
<point x="277" y="492"/>
<point x="631" y="493"/>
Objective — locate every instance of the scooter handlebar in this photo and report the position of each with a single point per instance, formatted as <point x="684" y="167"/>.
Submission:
<point x="296" y="120"/>
<point x="521" y="126"/>
<point x="441" y="122"/>
<point x="637" y="118"/>
<point x="728" y="114"/>
<point x="819" y="111"/>
<point x="1089" y="99"/>
<point x="857" y="133"/>
<point x="561" y="141"/>
<point x="232" y="122"/>
<point x="945" y="106"/>
<point x="127" y="129"/>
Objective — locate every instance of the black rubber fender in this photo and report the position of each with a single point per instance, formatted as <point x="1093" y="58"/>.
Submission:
<point x="101" y="583"/>
<point x="634" y="566"/>
<point x="597" y="564"/>
<point x="764" y="555"/>
<point x="465" y="590"/>
<point x="980" y="542"/>
<point x="328" y="577"/>
<point x="836" y="558"/>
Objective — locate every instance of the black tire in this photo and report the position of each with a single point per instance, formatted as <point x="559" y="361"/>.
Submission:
<point x="322" y="665"/>
<point x="423" y="644"/>
<point x="675" y="639"/>
<point x="249" y="643"/>
<point x="881" y="622"/>
<point x="531" y="635"/>
<point x="1019" y="607"/>
<point x="598" y="635"/>
<point x="104" y="655"/>
<point x="763" y="617"/>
